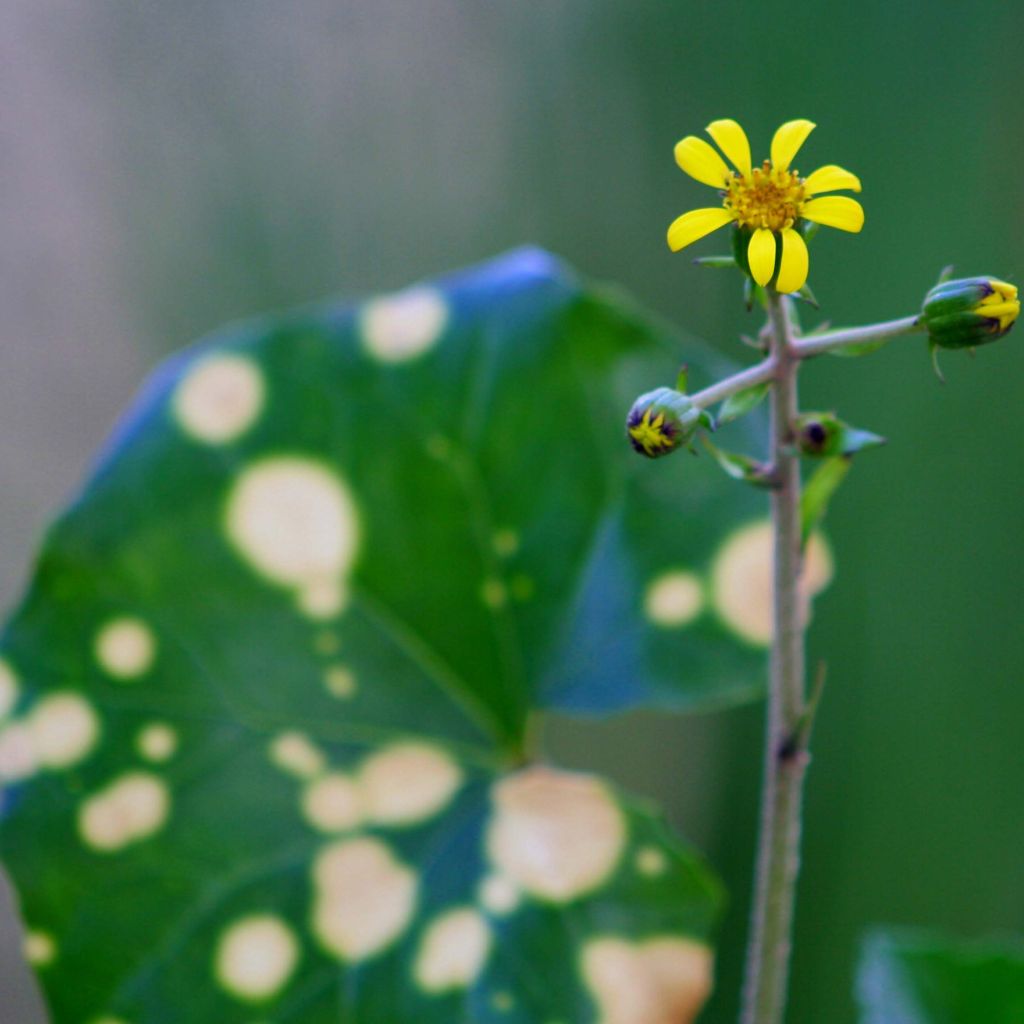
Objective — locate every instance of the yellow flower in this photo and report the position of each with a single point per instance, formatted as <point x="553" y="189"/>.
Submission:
<point x="768" y="202"/>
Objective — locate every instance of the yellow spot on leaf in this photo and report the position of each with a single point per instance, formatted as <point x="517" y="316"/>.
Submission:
<point x="64" y="729"/>
<point x="256" y="956"/>
<point x="333" y="803"/>
<point x="400" y="327"/>
<point x="674" y="599"/>
<point x="327" y="642"/>
<point x="17" y="753"/>
<point x="453" y="951"/>
<point x="498" y="896"/>
<point x="506" y="542"/>
<point x="130" y="809"/>
<point x="556" y="835"/>
<point x="219" y="398"/>
<point x="658" y="981"/>
<point x="741" y="580"/>
<point x="651" y="862"/>
<point x="364" y="898"/>
<point x="125" y="648"/>
<point x="407" y="783"/>
<point x="294" y="521"/>
<point x="503" y="1002"/>
<point x="493" y="593"/>
<point x="39" y="948"/>
<point x="325" y="599"/>
<point x="157" y="742"/>
<point x="340" y="682"/>
<point x="296" y="754"/>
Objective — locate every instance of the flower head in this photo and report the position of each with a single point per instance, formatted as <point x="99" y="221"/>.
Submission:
<point x="660" y="421"/>
<point x="969" y="311"/>
<point x="768" y="205"/>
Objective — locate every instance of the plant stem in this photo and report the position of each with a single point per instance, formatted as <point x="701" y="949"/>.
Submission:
<point x="805" y="348"/>
<point x="785" y="759"/>
<point x="829" y="341"/>
<point x="759" y="373"/>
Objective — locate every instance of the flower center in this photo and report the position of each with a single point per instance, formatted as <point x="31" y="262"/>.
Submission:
<point x="651" y="436"/>
<point x="767" y="198"/>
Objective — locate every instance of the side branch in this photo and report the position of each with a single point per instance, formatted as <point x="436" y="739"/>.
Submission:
<point x="805" y="348"/>
<point x="850" y="337"/>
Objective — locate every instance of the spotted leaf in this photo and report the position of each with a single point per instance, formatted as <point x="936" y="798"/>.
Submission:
<point x="259" y="706"/>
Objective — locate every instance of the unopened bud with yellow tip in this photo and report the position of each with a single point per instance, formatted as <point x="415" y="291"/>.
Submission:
<point x="969" y="311"/>
<point x="662" y="420"/>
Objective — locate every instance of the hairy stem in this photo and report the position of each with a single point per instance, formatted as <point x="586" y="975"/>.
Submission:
<point x="785" y="759"/>
<point x="805" y="348"/>
<point x="848" y="337"/>
<point x="748" y="378"/>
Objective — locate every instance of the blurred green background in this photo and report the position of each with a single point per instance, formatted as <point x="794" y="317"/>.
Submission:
<point x="167" y="167"/>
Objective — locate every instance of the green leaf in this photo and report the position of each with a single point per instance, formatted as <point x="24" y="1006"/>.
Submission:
<point x="818" y="492"/>
<point x="263" y="706"/>
<point x="855" y="351"/>
<point x="742" y="402"/>
<point x="916" y="978"/>
<point x="740" y="467"/>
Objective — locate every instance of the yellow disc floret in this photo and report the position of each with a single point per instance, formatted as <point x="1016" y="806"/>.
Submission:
<point x="649" y="435"/>
<point x="768" y="197"/>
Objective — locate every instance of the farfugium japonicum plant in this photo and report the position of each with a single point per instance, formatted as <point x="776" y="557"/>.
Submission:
<point x="268" y="709"/>
<point x="772" y="212"/>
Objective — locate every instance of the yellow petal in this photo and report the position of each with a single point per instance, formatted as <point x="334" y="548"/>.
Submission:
<point x="787" y="142"/>
<point x="793" y="268"/>
<point x="700" y="160"/>
<point x="835" y="212"/>
<point x="1001" y="289"/>
<point x="696" y="224"/>
<point x="761" y="255"/>
<point x="829" y="178"/>
<point x="732" y="141"/>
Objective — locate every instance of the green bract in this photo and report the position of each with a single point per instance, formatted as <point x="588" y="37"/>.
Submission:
<point x="264" y="706"/>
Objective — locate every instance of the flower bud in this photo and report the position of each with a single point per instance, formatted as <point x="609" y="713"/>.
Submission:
<point x="660" y="421"/>
<point x="970" y="311"/>
<point x="818" y="433"/>
<point x="823" y="434"/>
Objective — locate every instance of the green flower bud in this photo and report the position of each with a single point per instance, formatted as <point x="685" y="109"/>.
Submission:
<point x="818" y="433"/>
<point x="661" y="421"/>
<point x="970" y="311"/>
<point x="822" y="434"/>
